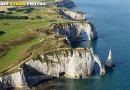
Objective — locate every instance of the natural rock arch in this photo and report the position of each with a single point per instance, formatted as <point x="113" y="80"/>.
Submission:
<point x="73" y="30"/>
<point x="97" y="60"/>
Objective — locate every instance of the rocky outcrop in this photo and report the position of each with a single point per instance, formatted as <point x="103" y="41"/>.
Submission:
<point x="65" y="3"/>
<point x="74" y="29"/>
<point x="109" y="62"/>
<point x="13" y="80"/>
<point x="72" y="15"/>
<point x="75" y="63"/>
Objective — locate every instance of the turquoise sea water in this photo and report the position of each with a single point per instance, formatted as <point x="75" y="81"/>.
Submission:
<point x="112" y="21"/>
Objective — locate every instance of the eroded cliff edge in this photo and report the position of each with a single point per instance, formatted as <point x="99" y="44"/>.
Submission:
<point x="74" y="63"/>
<point x="72" y="15"/>
<point x="74" y="29"/>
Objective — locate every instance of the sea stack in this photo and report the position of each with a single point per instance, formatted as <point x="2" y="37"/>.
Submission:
<point x="109" y="62"/>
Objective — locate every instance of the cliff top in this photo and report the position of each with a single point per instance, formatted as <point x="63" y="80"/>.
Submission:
<point x="24" y="39"/>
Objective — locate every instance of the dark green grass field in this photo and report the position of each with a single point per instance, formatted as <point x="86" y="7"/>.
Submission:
<point x="16" y="32"/>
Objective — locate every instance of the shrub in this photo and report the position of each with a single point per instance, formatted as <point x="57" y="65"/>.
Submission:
<point x="52" y="20"/>
<point x="11" y="9"/>
<point x="19" y="10"/>
<point x="32" y="18"/>
<point x="6" y="23"/>
<point x="24" y="17"/>
<point x="13" y="17"/>
<point x="27" y="11"/>
<point x="38" y="17"/>
<point x="2" y="32"/>
<point x="8" y="12"/>
<point x="2" y="11"/>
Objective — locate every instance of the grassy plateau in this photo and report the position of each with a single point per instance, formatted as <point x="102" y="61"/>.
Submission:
<point x="20" y="37"/>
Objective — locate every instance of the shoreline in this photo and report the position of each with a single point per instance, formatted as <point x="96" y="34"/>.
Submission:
<point x="61" y="26"/>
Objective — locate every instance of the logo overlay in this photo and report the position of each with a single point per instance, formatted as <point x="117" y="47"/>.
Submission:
<point x="22" y="3"/>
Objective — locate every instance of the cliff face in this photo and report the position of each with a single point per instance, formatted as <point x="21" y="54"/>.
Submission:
<point x="74" y="63"/>
<point x="65" y="3"/>
<point x="74" y="30"/>
<point x="13" y="80"/>
<point x="72" y="15"/>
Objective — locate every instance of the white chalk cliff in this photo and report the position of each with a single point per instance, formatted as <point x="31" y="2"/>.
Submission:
<point x="13" y="80"/>
<point x="74" y="63"/>
<point x="109" y="62"/>
<point x="72" y="15"/>
<point x="74" y="30"/>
